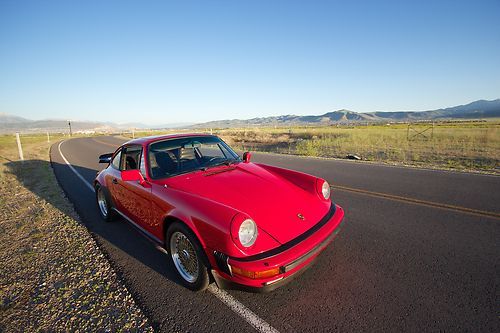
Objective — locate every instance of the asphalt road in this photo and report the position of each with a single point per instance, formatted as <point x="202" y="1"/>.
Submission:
<point x="419" y="252"/>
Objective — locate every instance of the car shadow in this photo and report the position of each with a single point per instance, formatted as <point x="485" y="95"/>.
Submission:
<point x="110" y="236"/>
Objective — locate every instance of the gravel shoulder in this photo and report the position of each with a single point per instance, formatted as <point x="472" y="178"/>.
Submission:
<point x="53" y="276"/>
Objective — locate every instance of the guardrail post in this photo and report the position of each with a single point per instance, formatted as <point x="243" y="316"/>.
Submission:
<point x="19" y="147"/>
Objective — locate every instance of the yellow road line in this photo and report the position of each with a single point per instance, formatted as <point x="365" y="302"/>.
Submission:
<point x="419" y="202"/>
<point x="106" y="143"/>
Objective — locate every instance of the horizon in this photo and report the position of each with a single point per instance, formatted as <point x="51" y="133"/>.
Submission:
<point x="124" y="62"/>
<point x="176" y="124"/>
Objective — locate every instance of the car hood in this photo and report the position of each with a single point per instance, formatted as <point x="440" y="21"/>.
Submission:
<point x="273" y="202"/>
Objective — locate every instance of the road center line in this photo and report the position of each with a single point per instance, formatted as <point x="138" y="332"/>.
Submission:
<point x="232" y="303"/>
<point x="419" y="202"/>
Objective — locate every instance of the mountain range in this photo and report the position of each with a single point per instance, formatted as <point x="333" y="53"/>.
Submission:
<point x="481" y="109"/>
<point x="476" y="110"/>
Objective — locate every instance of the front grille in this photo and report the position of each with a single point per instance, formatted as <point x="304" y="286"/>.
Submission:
<point x="221" y="260"/>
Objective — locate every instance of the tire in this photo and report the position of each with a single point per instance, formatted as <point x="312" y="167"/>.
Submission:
<point x="103" y="206"/>
<point x="187" y="256"/>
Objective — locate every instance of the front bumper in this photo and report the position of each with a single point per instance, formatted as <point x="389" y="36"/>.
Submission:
<point x="291" y="258"/>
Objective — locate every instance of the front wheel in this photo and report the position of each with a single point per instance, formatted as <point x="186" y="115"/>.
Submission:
<point x="103" y="204"/>
<point x="187" y="256"/>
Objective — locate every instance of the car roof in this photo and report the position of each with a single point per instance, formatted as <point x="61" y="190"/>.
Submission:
<point x="149" y="139"/>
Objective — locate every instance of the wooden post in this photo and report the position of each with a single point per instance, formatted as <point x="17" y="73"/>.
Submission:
<point x="48" y="137"/>
<point x="133" y="134"/>
<point x="19" y="147"/>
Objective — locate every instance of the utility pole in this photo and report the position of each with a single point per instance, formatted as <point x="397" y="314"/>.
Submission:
<point x="70" y="132"/>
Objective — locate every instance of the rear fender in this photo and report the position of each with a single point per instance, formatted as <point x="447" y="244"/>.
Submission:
<point x="107" y="194"/>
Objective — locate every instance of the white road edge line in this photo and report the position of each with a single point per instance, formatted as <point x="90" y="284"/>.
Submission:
<point x="232" y="303"/>
<point x="73" y="169"/>
<point x="258" y="323"/>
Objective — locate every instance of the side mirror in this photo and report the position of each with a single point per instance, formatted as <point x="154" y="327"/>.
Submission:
<point x="246" y="156"/>
<point x="105" y="158"/>
<point x="132" y="176"/>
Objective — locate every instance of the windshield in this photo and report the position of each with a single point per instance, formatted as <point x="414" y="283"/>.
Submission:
<point x="176" y="156"/>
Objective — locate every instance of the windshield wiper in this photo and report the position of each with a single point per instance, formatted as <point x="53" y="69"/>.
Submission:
<point x="226" y="162"/>
<point x="187" y="171"/>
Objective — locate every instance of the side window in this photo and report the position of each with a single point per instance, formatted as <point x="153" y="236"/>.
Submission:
<point x="132" y="157"/>
<point x="142" y="165"/>
<point x="116" y="161"/>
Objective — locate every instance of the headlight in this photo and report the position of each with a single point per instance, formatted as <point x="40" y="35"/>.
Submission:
<point x="247" y="233"/>
<point x="325" y="190"/>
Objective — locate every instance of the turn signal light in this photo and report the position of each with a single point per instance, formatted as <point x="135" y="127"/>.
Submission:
<point x="255" y="275"/>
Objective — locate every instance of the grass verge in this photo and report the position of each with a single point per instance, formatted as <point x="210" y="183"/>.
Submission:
<point x="53" y="276"/>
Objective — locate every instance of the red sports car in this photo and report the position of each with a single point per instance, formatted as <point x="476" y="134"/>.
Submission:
<point x="245" y="225"/>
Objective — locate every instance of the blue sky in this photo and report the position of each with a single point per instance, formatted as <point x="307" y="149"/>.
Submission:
<point x="188" y="61"/>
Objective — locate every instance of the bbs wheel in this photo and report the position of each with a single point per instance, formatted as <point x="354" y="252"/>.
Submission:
<point x="187" y="256"/>
<point x="103" y="204"/>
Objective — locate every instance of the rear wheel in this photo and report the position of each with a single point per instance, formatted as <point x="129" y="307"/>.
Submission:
<point x="103" y="204"/>
<point x="187" y="256"/>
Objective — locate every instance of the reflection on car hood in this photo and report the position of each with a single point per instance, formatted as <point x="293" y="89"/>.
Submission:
<point x="271" y="201"/>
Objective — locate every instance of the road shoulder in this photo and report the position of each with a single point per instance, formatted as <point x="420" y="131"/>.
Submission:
<point x="53" y="277"/>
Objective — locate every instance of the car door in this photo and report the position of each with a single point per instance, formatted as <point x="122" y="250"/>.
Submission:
<point x="111" y="179"/>
<point x="135" y="197"/>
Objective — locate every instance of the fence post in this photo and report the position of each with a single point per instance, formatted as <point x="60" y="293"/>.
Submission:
<point x="19" y="147"/>
<point x="48" y="137"/>
<point x="133" y="134"/>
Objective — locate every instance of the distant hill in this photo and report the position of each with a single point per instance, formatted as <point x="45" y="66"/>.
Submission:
<point x="476" y="110"/>
<point x="10" y="124"/>
<point x="10" y="119"/>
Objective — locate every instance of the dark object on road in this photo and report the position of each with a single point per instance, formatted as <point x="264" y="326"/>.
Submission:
<point x="353" y="157"/>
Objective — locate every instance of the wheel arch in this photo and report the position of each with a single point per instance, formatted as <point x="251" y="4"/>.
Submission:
<point x="106" y="192"/>
<point x="170" y="219"/>
<point x="176" y="216"/>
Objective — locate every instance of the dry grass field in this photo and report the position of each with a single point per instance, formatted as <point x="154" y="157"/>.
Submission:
<point x="449" y="145"/>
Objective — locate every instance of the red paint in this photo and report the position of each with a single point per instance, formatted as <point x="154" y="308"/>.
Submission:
<point x="283" y="203"/>
<point x="131" y="176"/>
<point x="246" y="157"/>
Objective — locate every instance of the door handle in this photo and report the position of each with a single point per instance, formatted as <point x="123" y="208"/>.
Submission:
<point x="115" y="181"/>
